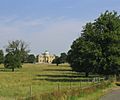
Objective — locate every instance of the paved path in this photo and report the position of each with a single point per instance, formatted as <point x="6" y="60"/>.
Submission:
<point x="114" y="95"/>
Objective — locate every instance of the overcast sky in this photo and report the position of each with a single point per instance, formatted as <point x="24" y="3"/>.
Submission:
<point x="48" y="24"/>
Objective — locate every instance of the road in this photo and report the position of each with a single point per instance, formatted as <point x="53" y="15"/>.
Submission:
<point x="114" y="95"/>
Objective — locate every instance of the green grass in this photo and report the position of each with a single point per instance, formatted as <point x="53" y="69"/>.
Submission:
<point x="37" y="79"/>
<point x="93" y="96"/>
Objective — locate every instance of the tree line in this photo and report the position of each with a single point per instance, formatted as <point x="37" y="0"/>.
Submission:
<point x="18" y="53"/>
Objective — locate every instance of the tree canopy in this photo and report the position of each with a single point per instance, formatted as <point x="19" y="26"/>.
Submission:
<point x="60" y="59"/>
<point x="56" y="60"/>
<point x="17" y="52"/>
<point x="1" y="56"/>
<point x="97" y="50"/>
<point x="12" y="60"/>
<point x="21" y="46"/>
<point x="63" y="57"/>
<point x="31" y="58"/>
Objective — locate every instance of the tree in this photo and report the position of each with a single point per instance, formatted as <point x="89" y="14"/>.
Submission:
<point x="31" y="58"/>
<point x="12" y="60"/>
<point x="16" y="54"/>
<point x="98" y="48"/>
<point x="63" y="58"/>
<point x="81" y="56"/>
<point x="21" y="46"/>
<point x="56" y="60"/>
<point x="1" y="56"/>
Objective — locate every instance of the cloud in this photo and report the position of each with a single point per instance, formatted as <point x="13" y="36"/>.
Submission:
<point x="55" y="35"/>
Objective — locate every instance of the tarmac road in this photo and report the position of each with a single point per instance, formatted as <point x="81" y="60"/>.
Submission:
<point x="114" y="95"/>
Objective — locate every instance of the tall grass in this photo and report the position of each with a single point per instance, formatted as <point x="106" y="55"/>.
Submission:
<point x="92" y="92"/>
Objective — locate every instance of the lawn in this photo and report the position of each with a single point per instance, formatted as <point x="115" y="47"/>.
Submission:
<point x="35" y="79"/>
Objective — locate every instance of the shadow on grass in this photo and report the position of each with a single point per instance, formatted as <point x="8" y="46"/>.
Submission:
<point x="63" y="80"/>
<point x="61" y="76"/>
<point x="57" y="70"/>
<point x="70" y="75"/>
<point x="2" y="69"/>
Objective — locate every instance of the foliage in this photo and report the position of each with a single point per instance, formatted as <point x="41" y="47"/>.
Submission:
<point x="12" y="61"/>
<point x="31" y="58"/>
<point x="16" y="54"/>
<point x="21" y="46"/>
<point x="1" y="56"/>
<point x="81" y="56"/>
<point x="63" y="58"/>
<point x="98" y="48"/>
<point x="56" y="60"/>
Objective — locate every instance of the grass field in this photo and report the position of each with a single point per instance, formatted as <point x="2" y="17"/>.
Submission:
<point x="35" y="79"/>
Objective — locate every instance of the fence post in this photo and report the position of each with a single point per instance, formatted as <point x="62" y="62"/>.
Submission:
<point x="15" y="98"/>
<point x="115" y="78"/>
<point x="30" y="90"/>
<point x="93" y="81"/>
<point x="70" y="85"/>
<point x="58" y="87"/>
<point x="80" y="84"/>
<point x="88" y="81"/>
<point x="99" y="79"/>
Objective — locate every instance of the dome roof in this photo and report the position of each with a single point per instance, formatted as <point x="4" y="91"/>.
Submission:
<point x="46" y="53"/>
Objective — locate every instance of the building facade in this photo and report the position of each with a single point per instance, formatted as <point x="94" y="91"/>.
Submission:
<point x="45" y="57"/>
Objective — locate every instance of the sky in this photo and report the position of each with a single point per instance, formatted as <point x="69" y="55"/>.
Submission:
<point x="49" y="24"/>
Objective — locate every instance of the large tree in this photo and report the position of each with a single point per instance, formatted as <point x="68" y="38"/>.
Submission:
<point x="98" y="48"/>
<point x="17" y="52"/>
<point x="21" y="46"/>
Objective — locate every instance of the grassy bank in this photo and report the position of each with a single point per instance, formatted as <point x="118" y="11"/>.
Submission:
<point x="96" y="93"/>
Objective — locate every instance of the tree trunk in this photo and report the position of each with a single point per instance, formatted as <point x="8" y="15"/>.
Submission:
<point x="115" y="77"/>
<point x="12" y="69"/>
<point x="86" y="74"/>
<point x="106" y="77"/>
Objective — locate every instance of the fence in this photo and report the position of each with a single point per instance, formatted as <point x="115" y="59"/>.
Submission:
<point x="61" y="91"/>
<point x="22" y="91"/>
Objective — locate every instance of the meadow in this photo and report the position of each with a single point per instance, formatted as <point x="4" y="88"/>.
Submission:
<point x="36" y="79"/>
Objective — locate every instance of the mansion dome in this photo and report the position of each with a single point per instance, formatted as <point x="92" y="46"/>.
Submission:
<point x="46" y="53"/>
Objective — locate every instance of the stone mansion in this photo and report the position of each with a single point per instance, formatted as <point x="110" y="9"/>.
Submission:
<point x="45" y="57"/>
